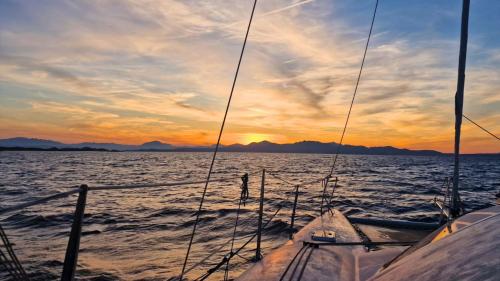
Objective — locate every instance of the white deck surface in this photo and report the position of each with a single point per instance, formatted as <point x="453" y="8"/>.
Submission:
<point x="470" y="252"/>
<point x="324" y="263"/>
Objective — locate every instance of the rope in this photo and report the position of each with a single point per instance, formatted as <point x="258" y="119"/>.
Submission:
<point x="355" y="90"/>
<point x="16" y="269"/>
<point x="291" y="262"/>
<point x="8" y="266"/>
<point x="331" y="195"/>
<point x="292" y="274"/>
<point x="226" y="272"/>
<point x="111" y="187"/>
<point x="305" y="264"/>
<point x="220" y="248"/>
<point x="294" y="184"/>
<point x="39" y="201"/>
<point x="479" y="126"/>
<point x="231" y="255"/>
<point x="324" y="184"/>
<point x="107" y="187"/>
<point x="133" y="186"/>
<point x="324" y="198"/>
<point x="218" y="143"/>
<point x="365" y="244"/>
<point x="246" y="259"/>
<point x="244" y="189"/>
<point x="279" y="178"/>
<point x="202" y="261"/>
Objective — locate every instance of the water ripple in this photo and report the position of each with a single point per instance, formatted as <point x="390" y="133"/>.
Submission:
<point x="143" y="234"/>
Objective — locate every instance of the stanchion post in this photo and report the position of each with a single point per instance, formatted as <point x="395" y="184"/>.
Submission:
<point x="292" y="221"/>
<point x="71" y="258"/>
<point x="258" y="254"/>
<point x="324" y="182"/>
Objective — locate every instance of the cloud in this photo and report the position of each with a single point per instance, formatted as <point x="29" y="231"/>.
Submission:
<point x="165" y="70"/>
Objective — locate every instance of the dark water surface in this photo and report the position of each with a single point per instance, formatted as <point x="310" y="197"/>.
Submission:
<point x="143" y="234"/>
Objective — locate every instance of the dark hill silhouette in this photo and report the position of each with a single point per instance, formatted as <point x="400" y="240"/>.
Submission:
<point x="29" y="143"/>
<point x="263" y="146"/>
<point x="326" y="148"/>
<point x="48" y="144"/>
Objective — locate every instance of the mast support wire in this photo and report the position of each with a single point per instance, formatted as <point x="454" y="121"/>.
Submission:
<point x="218" y="142"/>
<point x="480" y="127"/>
<point x="355" y="91"/>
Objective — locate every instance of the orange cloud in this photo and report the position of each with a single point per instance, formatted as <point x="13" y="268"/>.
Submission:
<point x="137" y="72"/>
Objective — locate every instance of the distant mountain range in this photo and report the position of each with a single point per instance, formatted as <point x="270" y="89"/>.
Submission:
<point x="49" y="144"/>
<point x="264" y="146"/>
<point x="325" y="148"/>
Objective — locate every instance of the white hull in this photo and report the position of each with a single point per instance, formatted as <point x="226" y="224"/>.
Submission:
<point x="470" y="252"/>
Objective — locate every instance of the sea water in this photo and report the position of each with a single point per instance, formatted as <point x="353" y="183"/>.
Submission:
<point x="142" y="234"/>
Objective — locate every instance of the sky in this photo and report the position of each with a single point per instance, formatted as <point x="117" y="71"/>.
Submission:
<point x="130" y="71"/>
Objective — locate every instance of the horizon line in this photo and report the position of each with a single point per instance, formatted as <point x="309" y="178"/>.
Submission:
<point x="180" y="146"/>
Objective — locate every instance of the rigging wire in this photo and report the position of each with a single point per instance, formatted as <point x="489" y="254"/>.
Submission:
<point x="235" y="253"/>
<point x="217" y="250"/>
<point x="4" y="261"/>
<point x="231" y="254"/>
<point x="480" y="127"/>
<point x="108" y="187"/>
<point x="291" y="262"/>
<point x="301" y="273"/>
<point x="355" y="91"/>
<point x="301" y="256"/>
<point x="218" y="143"/>
<point x="226" y="271"/>
<point x="11" y="263"/>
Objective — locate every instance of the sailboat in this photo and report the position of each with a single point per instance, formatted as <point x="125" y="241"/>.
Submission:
<point x="463" y="246"/>
<point x="333" y="247"/>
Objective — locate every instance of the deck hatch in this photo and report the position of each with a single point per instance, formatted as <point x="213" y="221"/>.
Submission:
<point x="324" y="236"/>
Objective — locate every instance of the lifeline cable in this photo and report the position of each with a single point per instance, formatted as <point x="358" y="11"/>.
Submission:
<point x="230" y="255"/>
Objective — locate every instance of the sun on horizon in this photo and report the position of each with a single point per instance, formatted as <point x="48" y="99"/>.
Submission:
<point x="253" y="137"/>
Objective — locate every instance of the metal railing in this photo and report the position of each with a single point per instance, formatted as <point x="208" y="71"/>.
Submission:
<point x="72" y="249"/>
<point x="260" y="225"/>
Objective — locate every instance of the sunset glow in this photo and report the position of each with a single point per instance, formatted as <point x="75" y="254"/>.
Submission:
<point x="136" y="71"/>
<point x="249" y="138"/>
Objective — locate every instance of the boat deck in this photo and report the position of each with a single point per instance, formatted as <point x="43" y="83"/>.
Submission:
<point x="467" y="249"/>
<point x="297" y="260"/>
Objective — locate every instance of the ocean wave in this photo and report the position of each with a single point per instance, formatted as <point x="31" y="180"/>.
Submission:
<point x="159" y="222"/>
